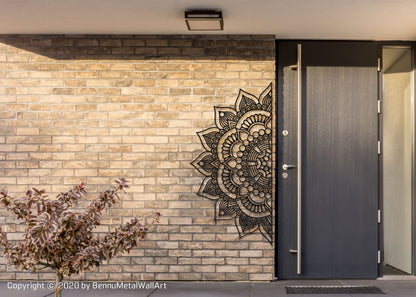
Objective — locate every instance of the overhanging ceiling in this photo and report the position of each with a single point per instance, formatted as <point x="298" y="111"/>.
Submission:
<point x="287" y="19"/>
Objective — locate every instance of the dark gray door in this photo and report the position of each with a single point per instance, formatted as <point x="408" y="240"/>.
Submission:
<point x="339" y="189"/>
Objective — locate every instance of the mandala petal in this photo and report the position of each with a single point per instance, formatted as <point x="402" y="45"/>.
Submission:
<point x="245" y="100"/>
<point x="228" y="145"/>
<point x="266" y="228"/>
<point x="204" y="163"/>
<point x="208" y="189"/>
<point x="225" y="117"/>
<point x="226" y="181"/>
<point x="208" y="138"/>
<point x="225" y="209"/>
<point x="253" y="120"/>
<point x="253" y="209"/>
<point x="265" y="98"/>
<point x="246" y="225"/>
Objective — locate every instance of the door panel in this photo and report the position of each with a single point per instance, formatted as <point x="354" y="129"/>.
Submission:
<point x="340" y="160"/>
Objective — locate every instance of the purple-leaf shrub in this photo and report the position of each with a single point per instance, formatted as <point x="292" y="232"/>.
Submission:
<point x="62" y="238"/>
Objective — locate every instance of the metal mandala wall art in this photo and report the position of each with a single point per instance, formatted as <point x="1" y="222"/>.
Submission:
<point x="237" y="163"/>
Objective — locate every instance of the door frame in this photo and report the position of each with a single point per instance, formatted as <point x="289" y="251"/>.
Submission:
<point x="278" y="114"/>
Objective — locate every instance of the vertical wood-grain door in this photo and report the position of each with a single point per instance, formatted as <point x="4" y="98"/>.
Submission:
<point x="339" y="168"/>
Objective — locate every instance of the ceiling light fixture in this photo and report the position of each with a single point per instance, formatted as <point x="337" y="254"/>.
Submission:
<point x="204" y="20"/>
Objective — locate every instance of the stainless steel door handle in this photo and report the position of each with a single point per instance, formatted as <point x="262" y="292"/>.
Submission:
<point x="299" y="147"/>
<point x="298" y="250"/>
<point x="287" y="166"/>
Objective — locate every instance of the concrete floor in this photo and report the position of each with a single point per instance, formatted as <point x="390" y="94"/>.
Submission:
<point x="392" y="287"/>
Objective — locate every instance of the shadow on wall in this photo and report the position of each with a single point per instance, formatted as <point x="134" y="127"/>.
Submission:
<point x="145" y="47"/>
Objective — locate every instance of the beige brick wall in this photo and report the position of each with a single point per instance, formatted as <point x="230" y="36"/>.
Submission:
<point x="92" y="108"/>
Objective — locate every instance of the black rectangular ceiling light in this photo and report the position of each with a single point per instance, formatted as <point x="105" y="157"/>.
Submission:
<point x="204" y="20"/>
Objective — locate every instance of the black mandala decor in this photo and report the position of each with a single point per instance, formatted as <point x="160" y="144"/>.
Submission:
<point x="237" y="163"/>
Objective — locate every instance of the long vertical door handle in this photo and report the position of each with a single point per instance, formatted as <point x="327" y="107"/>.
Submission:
<point x="299" y="165"/>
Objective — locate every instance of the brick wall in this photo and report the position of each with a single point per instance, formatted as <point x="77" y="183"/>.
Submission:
<point x="92" y="108"/>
